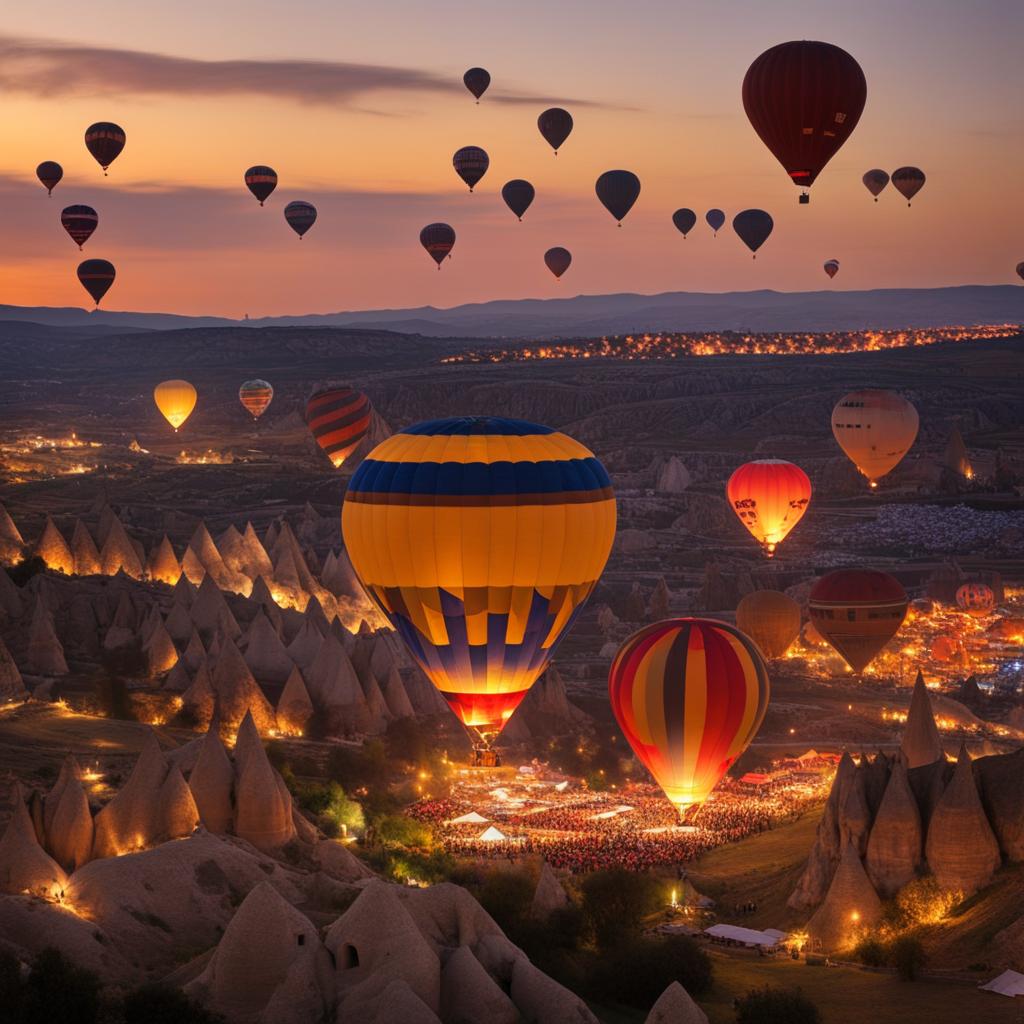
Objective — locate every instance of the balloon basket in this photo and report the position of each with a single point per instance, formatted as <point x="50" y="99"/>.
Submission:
<point x="484" y="757"/>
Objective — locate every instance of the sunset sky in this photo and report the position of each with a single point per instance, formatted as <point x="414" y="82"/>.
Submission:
<point x="359" y="108"/>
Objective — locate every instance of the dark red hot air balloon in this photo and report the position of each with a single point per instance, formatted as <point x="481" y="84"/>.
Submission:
<point x="875" y="180"/>
<point x="49" y="173"/>
<point x="1020" y="270"/>
<point x="338" y="417"/>
<point x="438" y="240"/>
<point x="301" y="216"/>
<point x="558" y="260"/>
<point x="618" y="191"/>
<point x="96" y="276"/>
<point x="105" y="142"/>
<point x="804" y="99"/>
<point x="471" y="163"/>
<point x="715" y="219"/>
<point x="261" y="181"/>
<point x="477" y="80"/>
<point x="684" y="220"/>
<point x="518" y="194"/>
<point x="753" y="227"/>
<point x="79" y="222"/>
<point x="831" y="267"/>
<point x="555" y="124"/>
<point x="908" y="181"/>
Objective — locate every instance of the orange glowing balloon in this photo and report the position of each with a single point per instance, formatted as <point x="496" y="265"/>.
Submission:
<point x="770" y="497"/>
<point x="771" y="619"/>
<point x="875" y="429"/>
<point x="975" y="598"/>
<point x="175" y="399"/>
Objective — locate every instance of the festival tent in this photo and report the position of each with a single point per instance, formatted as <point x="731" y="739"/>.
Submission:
<point x="1009" y="983"/>
<point x="745" y="936"/>
<point x="469" y="819"/>
<point x="492" y="835"/>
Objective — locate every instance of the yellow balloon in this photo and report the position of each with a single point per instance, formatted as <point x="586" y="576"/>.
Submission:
<point x="175" y="399"/>
<point x="876" y="429"/>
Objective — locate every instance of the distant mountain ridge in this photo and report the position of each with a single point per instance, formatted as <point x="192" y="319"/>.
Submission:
<point x="616" y="314"/>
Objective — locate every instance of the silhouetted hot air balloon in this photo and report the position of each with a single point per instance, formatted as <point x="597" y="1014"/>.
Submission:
<point x="175" y="399"/>
<point x="689" y="695"/>
<point x="301" y="216"/>
<point x="715" y="219"/>
<point x="618" y="191"/>
<point x="555" y="124"/>
<point x="975" y="598"/>
<point x="908" y="181"/>
<point x="438" y="240"/>
<point x="105" y="142"/>
<point x="831" y="267"/>
<point x="96" y="276"/>
<point x="480" y="538"/>
<point x="770" y="497"/>
<point x="1020" y="270"/>
<point x="874" y="181"/>
<point x="771" y="619"/>
<point x="804" y="99"/>
<point x="875" y="429"/>
<point x="79" y="222"/>
<point x="684" y="220"/>
<point x="753" y="227"/>
<point x="558" y="260"/>
<point x="477" y="80"/>
<point x="338" y="417"/>
<point x="49" y="173"/>
<point x="471" y="163"/>
<point x="858" y="611"/>
<point x="518" y="195"/>
<point x="261" y="181"/>
<point x="255" y="395"/>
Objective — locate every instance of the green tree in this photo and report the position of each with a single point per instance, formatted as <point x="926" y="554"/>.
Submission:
<point x="637" y="972"/>
<point x="615" y="903"/>
<point x="776" y="1006"/>
<point x="908" y="956"/>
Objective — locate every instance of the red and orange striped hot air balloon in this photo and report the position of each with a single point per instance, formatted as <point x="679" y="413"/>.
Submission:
<point x="770" y="497"/>
<point x="338" y="418"/>
<point x="975" y="598"/>
<point x="689" y="695"/>
<point x="255" y="395"/>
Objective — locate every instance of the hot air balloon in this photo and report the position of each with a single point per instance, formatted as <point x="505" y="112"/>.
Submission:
<point x="684" y="220"/>
<point x="875" y="429"/>
<point x="804" y="99"/>
<point x="618" y="191"/>
<point x="875" y="181"/>
<point x="831" y="267"/>
<point x="477" y="80"/>
<point x="255" y="395"/>
<point x="301" y="216"/>
<point x="261" y="181"/>
<point x="79" y="222"/>
<point x="945" y="648"/>
<point x="96" y="276"/>
<point x="105" y="142"/>
<point x="1020" y="270"/>
<point x="975" y="598"/>
<point x="438" y="240"/>
<point x="471" y="163"/>
<point x="770" y="497"/>
<point x="518" y="195"/>
<point x="49" y="173"/>
<point x="771" y="619"/>
<point x="338" y="417"/>
<point x="858" y="611"/>
<point x="555" y="124"/>
<point x="480" y="538"/>
<point x="689" y="695"/>
<point x="753" y="227"/>
<point x="715" y="219"/>
<point x="175" y="399"/>
<point x="558" y="260"/>
<point x="908" y="181"/>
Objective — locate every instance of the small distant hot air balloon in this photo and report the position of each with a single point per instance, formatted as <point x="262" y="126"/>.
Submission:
<point x="477" y="80"/>
<point x="831" y="267"/>
<point x="771" y="619"/>
<point x="175" y="399"/>
<point x="715" y="219"/>
<point x="555" y="124"/>
<point x="874" y="181"/>
<point x="261" y="181"/>
<point x="770" y="497"/>
<point x="518" y="194"/>
<point x="875" y="429"/>
<point x="301" y="216"/>
<point x="618" y="191"/>
<point x="558" y="260"/>
<point x="1020" y="270"/>
<point x="96" y="276"/>
<point x="858" y="611"/>
<point x="338" y="417"/>
<point x="689" y="695"/>
<point x="945" y="648"/>
<point x="49" y="173"/>
<point x="908" y="181"/>
<point x="105" y="142"/>
<point x="438" y="239"/>
<point x="753" y="227"/>
<point x="684" y="220"/>
<point x="79" y="222"/>
<point x="804" y="99"/>
<point x="471" y="163"/>
<point x="255" y="395"/>
<point x="975" y="598"/>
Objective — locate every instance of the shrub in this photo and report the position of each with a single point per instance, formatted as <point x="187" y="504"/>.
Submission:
<point x="924" y="901"/>
<point x="160" y="1004"/>
<point x="615" y="903"/>
<point x="56" y="990"/>
<point x="27" y="568"/>
<point x="507" y="896"/>
<point x="636" y="973"/>
<point x="872" y="951"/>
<point x="398" y="830"/>
<point x="908" y="956"/>
<point x="776" y="1006"/>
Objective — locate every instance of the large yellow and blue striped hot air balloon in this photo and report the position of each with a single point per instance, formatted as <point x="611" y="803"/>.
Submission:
<point x="480" y="538"/>
<point x="689" y="696"/>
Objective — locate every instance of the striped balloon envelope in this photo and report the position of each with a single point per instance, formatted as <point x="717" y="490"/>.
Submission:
<point x="769" y="496"/>
<point x="975" y="598"/>
<point x="338" y="418"/>
<point x="255" y="395"/>
<point x="480" y="538"/>
<point x="689" y="696"/>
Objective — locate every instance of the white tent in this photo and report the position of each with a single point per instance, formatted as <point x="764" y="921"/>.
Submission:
<point x="470" y="819"/>
<point x="746" y="936"/>
<point x="1009" y="983"/>
<point x="562" y="786"/>
<point x="492" y="835"/>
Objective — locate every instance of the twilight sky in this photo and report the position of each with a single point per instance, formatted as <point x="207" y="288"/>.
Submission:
<point x="359" y="107"/>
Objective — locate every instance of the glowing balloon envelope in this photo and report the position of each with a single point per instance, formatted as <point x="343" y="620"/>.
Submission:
<point x="438" y="239"/>
<point x="518" y="194"/>
<point x="261" y="181"/>
<point x="618" y="191"/>
<point x="684" y="220"/>
<point x="557" y="260"/>
<point x="471" y="163"/>
<point x="476" y="81"/>
<point x="96" y="277"/>
<point x="175" y="399"/>
<point x="555" y="124"/>
<point x="715" y="219"/>
<point x="301" y="216"/>
<point x="975" y="598"/>
<point x="771" y="619"/>
<point x="79" y="222"/>
<point x="105" y="142"/>
<point x="753" y="228"/>
<point x="769" y="497"/>
<point x="908" y="181"/>
<point x="875" y="180"/>
<point x="49" y="173"/>
<point x="338" y="417"/>
<point x="256" y="395"/>
<point x="875" y="429"/>
<point x="831" y="267"/>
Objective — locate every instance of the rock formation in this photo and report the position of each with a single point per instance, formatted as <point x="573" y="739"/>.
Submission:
<point x="294" y="707"/>
<point x="45" y="653"/>
<point x="211" y="782"/>
<point x="24" y="865"/>
<point x="68" y="820"/>
<point x="921" y="741"/>
<point x="85" y="552"/>
<point x="10" y="596"/>
<point x="263" y="807"/>
<point x="163" y="564"/>
<point x="894" y="849"/>
<point x="198" y="701"/>
<point x="674" y="1006"/>
<point x="12" y="545"/>
<point x="469" y="994"/>
<point x="12" y="687"/>
<point x="549" y="895"/>
<point x="673" y="476"/>
<point x="53" y="549"/>
<point x="264" y="653"/>
<point x="118" y="553"/>
<point x="850" y="905"/>
<point x="237" y="693"/>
